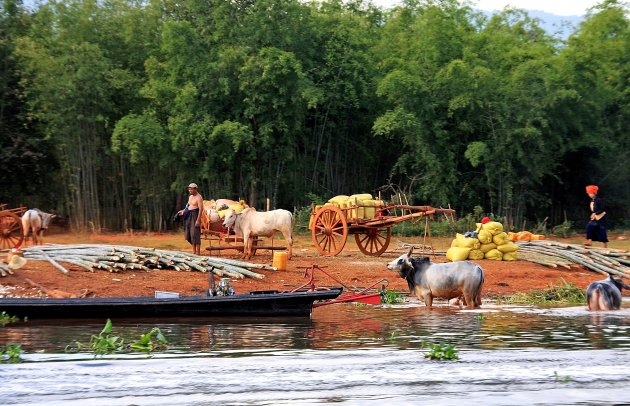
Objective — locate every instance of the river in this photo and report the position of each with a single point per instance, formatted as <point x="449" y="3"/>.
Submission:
<point x="356" y="355"/>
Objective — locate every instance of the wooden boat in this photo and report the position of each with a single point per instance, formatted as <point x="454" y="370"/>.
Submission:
<point x="254" y="304"/>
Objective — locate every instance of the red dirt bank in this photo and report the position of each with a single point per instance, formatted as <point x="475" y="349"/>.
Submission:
<point x="351" y="267"/>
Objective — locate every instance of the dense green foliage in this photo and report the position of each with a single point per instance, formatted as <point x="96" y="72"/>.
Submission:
<point x="108" y="109"/>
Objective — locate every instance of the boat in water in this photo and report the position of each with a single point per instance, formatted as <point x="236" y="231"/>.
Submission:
<point x="253" y="304"/>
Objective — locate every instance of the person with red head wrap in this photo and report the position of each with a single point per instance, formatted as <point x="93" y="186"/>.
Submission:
<point x="596" y="227"/>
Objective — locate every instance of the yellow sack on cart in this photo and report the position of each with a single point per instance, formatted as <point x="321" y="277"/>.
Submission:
<point x="237" y="207"/>
<point x="337" y="201"/>
<point x="361" y="196"/>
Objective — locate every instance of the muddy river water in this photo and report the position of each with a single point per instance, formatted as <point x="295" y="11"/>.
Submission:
<point x="346" y="353"/>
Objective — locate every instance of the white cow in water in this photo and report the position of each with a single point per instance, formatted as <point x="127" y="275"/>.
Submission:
<point x="36" y="221"/>
<point x="251" y="223"/>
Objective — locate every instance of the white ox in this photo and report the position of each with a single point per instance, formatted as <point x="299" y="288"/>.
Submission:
<point x="36" y="221"/>
<point x="251" y="223"/>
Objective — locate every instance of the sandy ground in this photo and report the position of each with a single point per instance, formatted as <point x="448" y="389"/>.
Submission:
<point x="350" y="268"/>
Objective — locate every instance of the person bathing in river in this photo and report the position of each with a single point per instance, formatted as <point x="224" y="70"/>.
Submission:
<point x="596" y="227"/>
<point x="192" y="218"/>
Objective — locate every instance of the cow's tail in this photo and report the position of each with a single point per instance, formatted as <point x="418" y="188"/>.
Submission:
<point x="598" y="299"/>
<point x="477" y="296"/>
<point x="291" y="229"/>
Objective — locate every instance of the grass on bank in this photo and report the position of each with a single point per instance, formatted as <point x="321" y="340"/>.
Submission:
<point x="563" y="294"/>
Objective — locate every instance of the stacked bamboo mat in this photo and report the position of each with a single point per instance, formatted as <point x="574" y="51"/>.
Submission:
<point x="117" y="258"/>
<point x="554" y="254"/>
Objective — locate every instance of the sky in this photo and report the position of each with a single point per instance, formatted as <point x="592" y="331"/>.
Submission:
<point x="557" y="7"/>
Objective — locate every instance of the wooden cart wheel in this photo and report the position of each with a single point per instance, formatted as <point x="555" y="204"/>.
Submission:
<point x="375" y="241"/>
<point x="11" y="234"/>
<point x="330" y="230"/>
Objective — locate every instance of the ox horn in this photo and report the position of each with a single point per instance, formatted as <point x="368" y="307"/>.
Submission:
<point x="410" y="251"/>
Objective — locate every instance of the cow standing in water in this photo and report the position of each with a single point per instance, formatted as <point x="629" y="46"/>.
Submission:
<point x="449" y="280"/>
<point x="251" y="223"/>
<point x="605" y="294"/>
<point x="36" y="221"/>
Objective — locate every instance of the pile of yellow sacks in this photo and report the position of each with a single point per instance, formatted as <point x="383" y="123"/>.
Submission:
<point x="491" y="243"/>
<point x="362" y="206"/>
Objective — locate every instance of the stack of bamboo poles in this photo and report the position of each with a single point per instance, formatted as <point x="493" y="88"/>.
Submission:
<point x="550" y="253"/>
<point x="116" y="258"/>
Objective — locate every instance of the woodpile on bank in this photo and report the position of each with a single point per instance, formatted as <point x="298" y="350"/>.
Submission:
<point x="117" y="258"/>
<point x="605" y="261"/>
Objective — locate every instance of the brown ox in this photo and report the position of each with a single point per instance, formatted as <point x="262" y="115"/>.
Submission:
<point x="251" y="223"/>
<point x="36" y="221"/>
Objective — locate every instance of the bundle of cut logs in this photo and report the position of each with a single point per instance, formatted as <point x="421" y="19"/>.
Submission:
<point x="117" y="258"/>
<point x="605" y="261"/>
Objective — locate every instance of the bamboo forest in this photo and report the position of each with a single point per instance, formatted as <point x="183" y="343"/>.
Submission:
<point x="110" y="108"/>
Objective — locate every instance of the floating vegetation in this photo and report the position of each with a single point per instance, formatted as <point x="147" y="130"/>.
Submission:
<point x="565" y="294"/>
<point x="147" y="344"/>
<point x="392" y="296"/>
<point x="442" y="352"/>
<point x="6" y="319"/>
<point x="106" y="343"/>
<point x="11" y="354"/>
<point x="559" y="378"/>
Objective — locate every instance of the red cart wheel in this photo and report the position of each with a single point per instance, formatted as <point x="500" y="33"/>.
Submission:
<point x="330" y="230"/>
<point x="375" y="241"/>
<point x="11" y="234"/>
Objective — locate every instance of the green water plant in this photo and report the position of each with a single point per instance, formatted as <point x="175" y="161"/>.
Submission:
<point x="107" y="343"/>
<point x="11" y="354"/>
<point x="442" y="352"/>
<point x="5" y="319"/>
<point x="146" y="343"/>
<point x="564" y="294"/>
<point x="392" y="296"/>
<point x="560" y="378"/>
<point x="104" y="342"/>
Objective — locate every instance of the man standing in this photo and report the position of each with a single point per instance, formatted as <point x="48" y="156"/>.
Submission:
<point x="192" y="218"/>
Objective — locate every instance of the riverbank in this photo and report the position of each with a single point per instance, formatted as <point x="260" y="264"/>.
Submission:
<point x="351" y="267"/>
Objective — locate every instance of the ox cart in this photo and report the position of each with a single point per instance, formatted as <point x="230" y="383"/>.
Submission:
<point x="11" y="232"/>
<point x="219" y="239"/>
<point x="330" y="225"/>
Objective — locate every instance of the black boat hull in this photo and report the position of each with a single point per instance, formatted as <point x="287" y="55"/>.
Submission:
<point x="255" y="304"/>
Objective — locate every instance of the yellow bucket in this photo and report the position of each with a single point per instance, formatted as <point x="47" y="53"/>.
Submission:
<point x="280" y="260"/>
